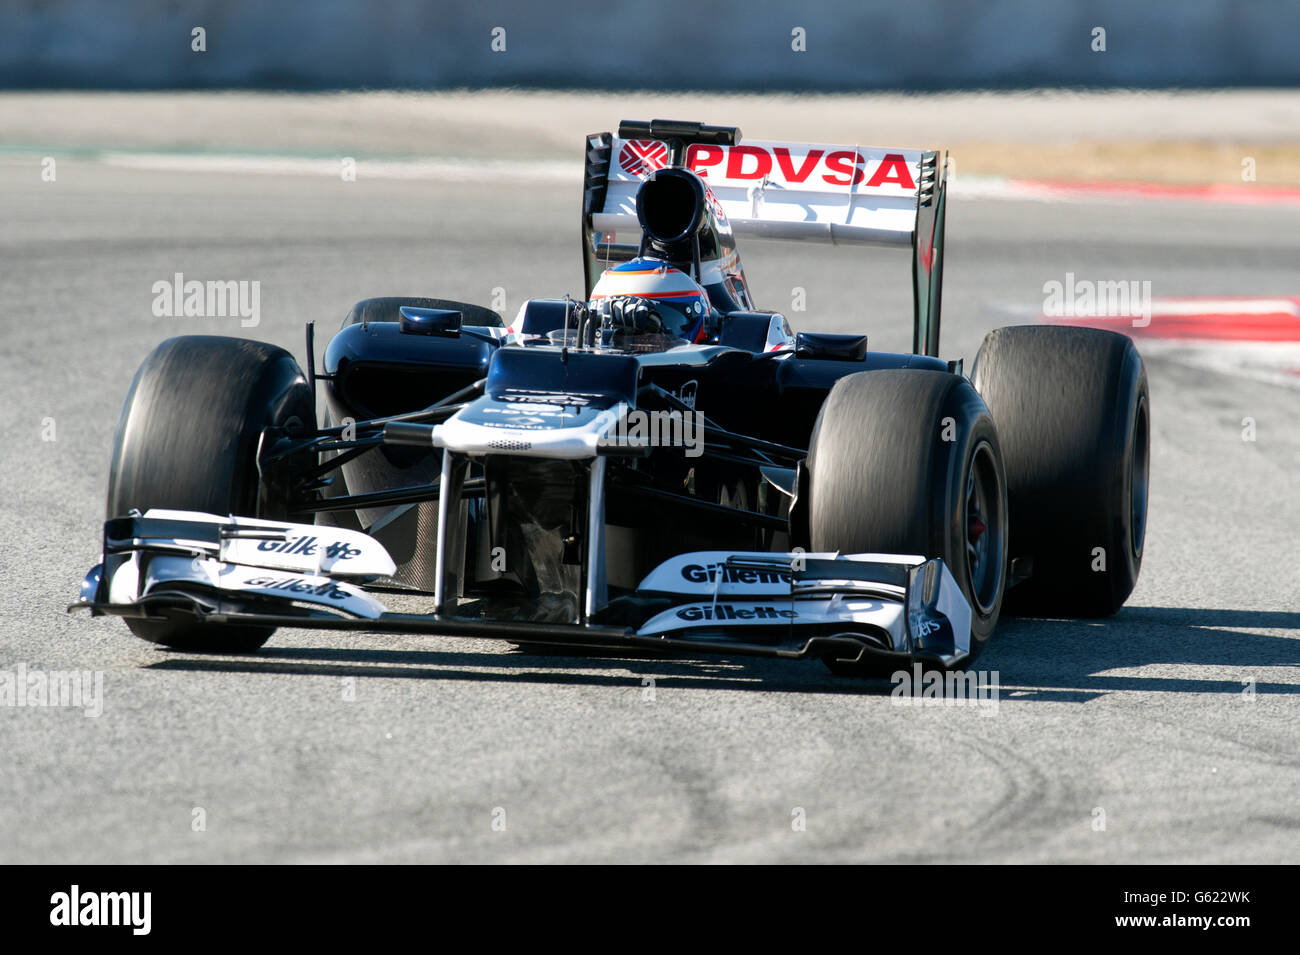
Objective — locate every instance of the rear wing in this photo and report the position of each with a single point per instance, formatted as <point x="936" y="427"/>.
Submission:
<point x="845" y="195"/>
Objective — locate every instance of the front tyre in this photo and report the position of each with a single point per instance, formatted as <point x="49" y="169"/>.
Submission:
<point x="187" y="439"/>
<point x="909" y="462"/>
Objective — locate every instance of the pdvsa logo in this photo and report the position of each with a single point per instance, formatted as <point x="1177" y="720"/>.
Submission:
<point x="836" y="167"/>
<point x="640" y="157"/>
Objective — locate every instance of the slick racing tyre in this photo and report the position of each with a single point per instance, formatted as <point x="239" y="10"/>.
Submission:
<point x="187" y="439"/>
<point x="1073" y="413"/>
<point x="908" y="462"/>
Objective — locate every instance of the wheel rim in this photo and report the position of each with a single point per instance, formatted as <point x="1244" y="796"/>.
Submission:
<point x="1139" y="477"/>
<point x="984" y="540"/>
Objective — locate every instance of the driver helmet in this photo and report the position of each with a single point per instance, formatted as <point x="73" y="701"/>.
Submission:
<point x="665" y="300"/>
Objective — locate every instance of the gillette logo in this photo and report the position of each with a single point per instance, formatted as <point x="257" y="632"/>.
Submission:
<point x="298" y="585"/>
<point x="712" y="573"/>
<point x="335" y="550"/>
<point x="728" y="612"/>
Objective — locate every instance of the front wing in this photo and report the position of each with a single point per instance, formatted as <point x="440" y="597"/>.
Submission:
<point x="224" y="570"/>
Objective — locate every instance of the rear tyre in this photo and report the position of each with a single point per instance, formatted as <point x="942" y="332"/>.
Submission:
<point x="188" y="438"/>
<point x="1073" y="412"/>
<point x="908" y="462"/>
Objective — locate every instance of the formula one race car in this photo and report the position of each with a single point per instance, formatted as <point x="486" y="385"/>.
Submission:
<point x="658" y="464"/>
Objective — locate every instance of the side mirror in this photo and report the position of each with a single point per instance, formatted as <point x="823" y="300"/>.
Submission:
<point x="430" y="321"/>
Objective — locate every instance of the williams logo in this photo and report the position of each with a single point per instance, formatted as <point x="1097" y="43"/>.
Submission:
<point x="727" y="612"/>
<point x="75" y="907"/>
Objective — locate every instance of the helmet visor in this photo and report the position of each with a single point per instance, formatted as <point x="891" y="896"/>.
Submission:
<point x="672" y="316"/>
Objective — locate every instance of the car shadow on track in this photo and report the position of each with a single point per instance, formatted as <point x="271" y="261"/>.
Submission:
<point x="1036" y="656"/>
<point x="552" y="667"/>
<point x="1044" y="660"/>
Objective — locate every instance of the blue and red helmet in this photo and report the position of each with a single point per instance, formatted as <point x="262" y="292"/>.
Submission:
<point x="678" y="301"/>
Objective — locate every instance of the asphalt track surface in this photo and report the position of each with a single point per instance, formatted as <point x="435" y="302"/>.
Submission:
<point x="1142" y="717"/>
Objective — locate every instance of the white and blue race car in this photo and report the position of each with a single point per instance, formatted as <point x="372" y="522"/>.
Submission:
<point x="656" y="463"/>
